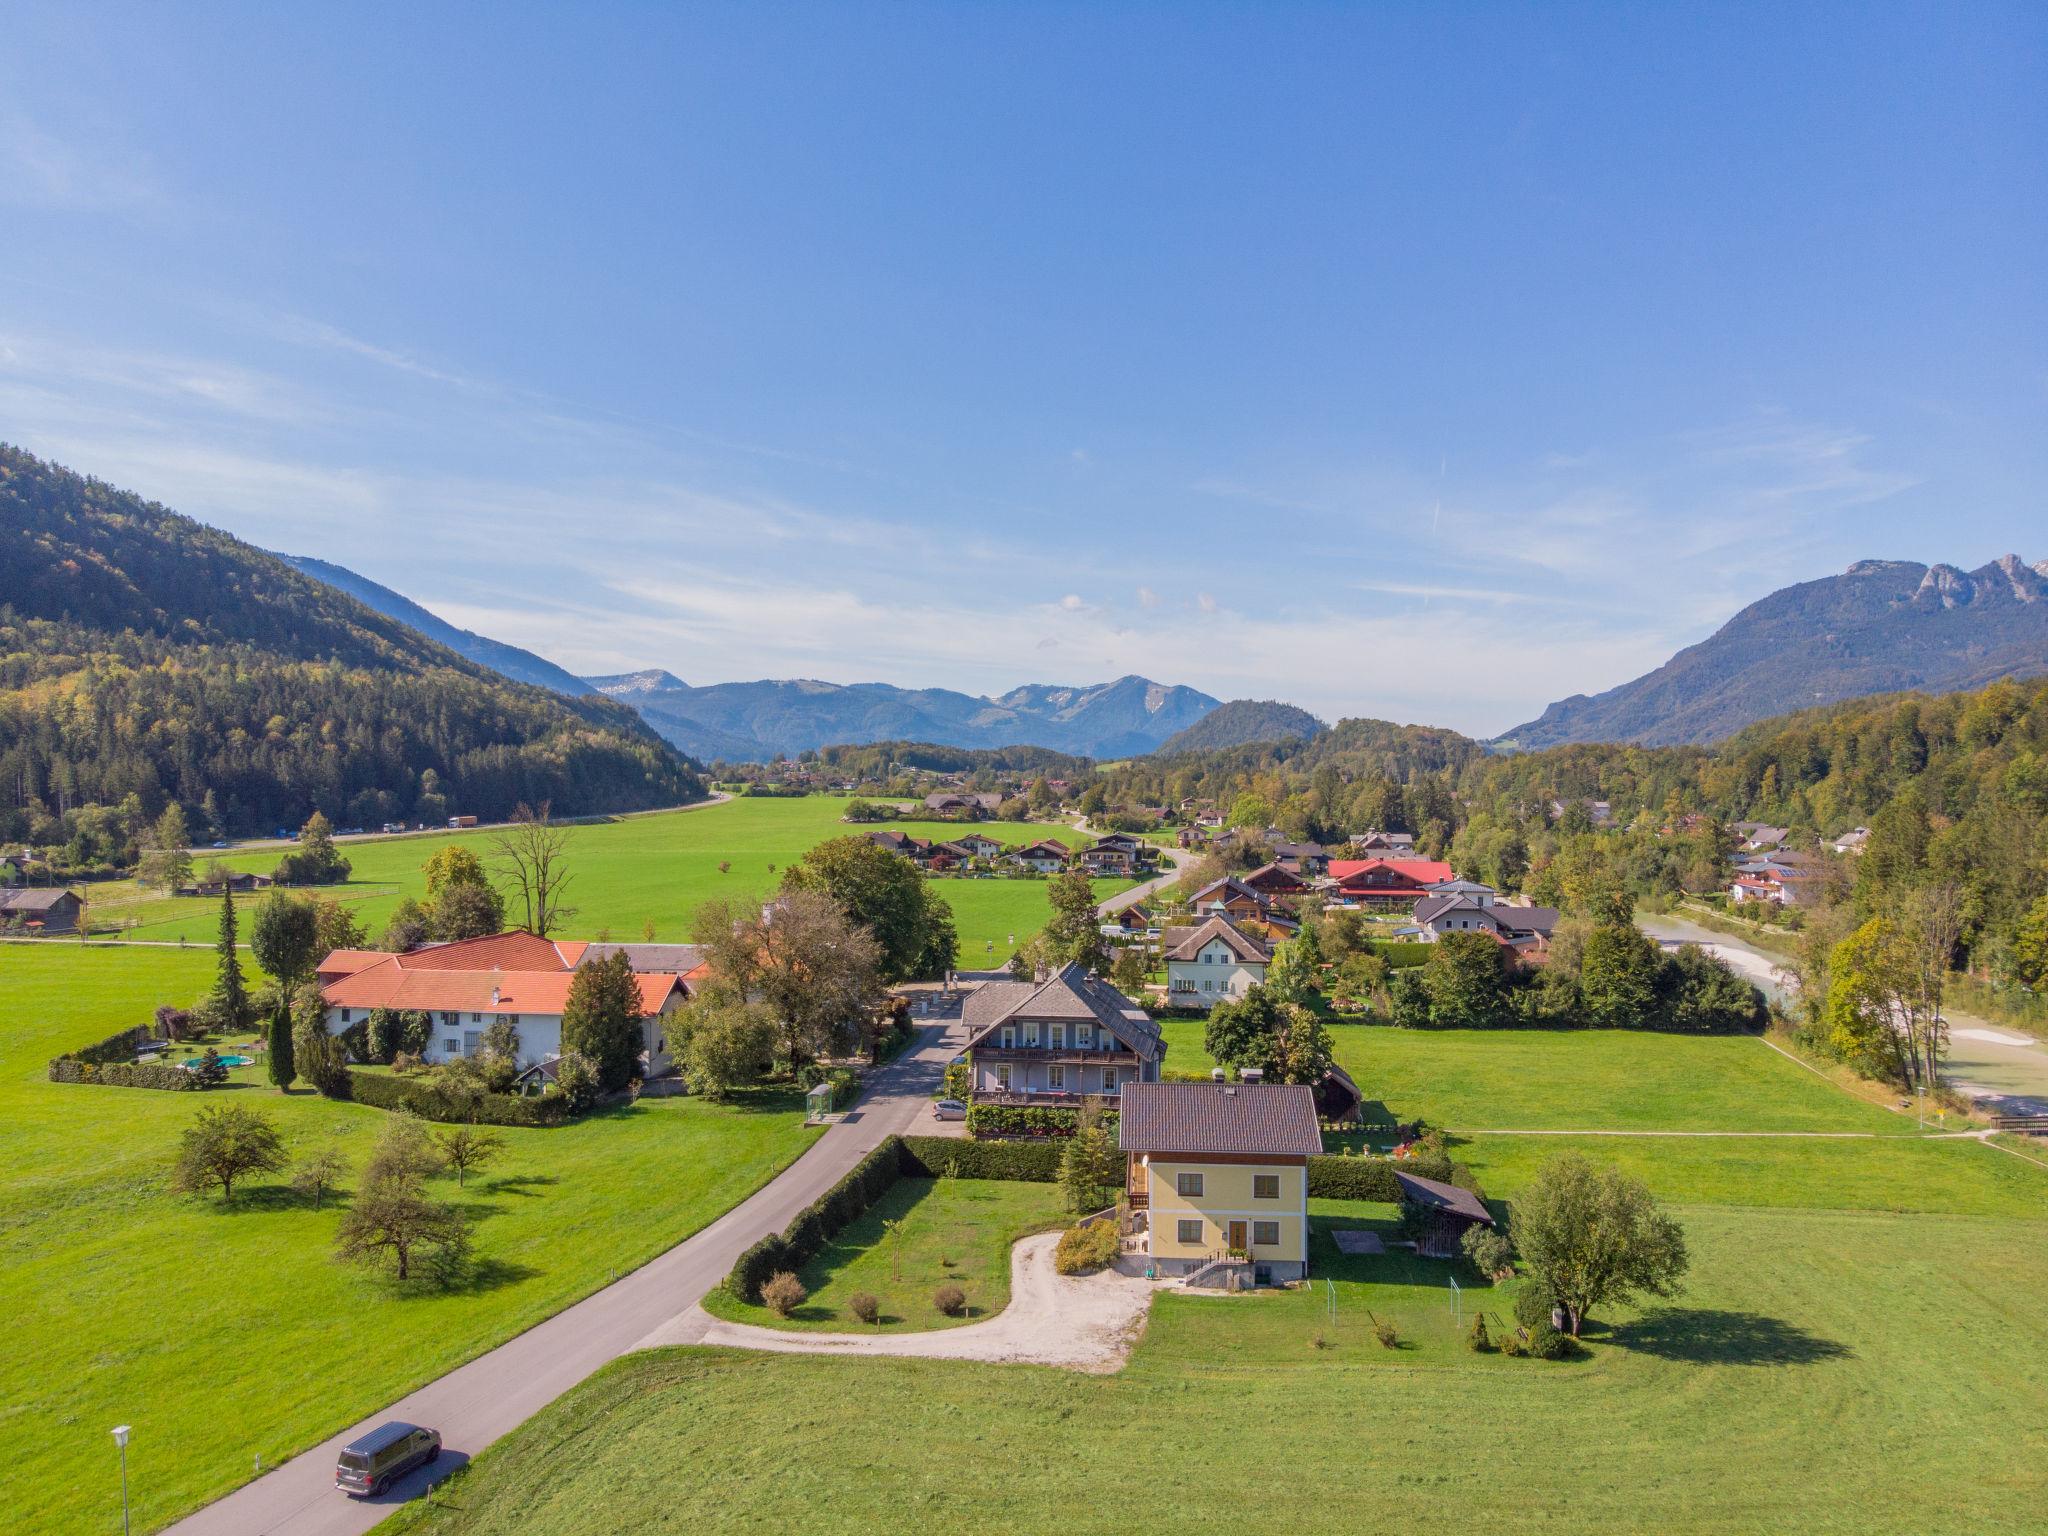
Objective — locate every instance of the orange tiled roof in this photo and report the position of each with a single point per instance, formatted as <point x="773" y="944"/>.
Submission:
<point x="526" y="974"/>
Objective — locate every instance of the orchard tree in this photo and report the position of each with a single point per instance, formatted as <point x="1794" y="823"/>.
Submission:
<point x="816" y="971"/>
<point x="1595" y="1236"/>
<point x="224" y="1145"/>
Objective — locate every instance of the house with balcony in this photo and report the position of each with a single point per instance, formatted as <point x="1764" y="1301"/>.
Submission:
<point x="1047" y="856"/>
<point x="1057" y="1041"/>
<point x="1386" y="882"/>
<point x="1216" y="1178"/>
<point x="1212" y="962"/>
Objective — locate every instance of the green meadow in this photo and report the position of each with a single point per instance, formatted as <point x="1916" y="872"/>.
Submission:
<point x="227" y="1333"/>
<point x="1856" y="1350"/>
<point x="637" y="870"/>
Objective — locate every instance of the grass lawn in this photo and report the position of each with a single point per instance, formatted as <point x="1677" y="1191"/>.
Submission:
<point x="1823" y="1372"/>
<point x="951" y="1232"/>
<point x="223" y="1334"/>
<point x="642" y="869"/>
<point x="1590" y="1079"/>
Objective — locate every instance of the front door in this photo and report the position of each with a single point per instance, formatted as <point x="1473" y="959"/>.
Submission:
<point x="1239" y="1238"/>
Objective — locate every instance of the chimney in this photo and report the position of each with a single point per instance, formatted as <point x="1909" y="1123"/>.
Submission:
<point x="494" y="989"/>
<point x="1218" y="1075"/>
<point x="1251" y="1074"/>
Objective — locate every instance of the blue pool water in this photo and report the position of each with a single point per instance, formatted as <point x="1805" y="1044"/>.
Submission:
<point x="226" y="1061"/>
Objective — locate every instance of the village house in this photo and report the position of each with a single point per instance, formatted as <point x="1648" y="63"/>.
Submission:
<point x="1386" y="845"/>
<point x="977" y="846"/>
<point x="1211" y="962"/>
<point x="1228" y="897"/>
<point x="1307" y="860"/>
<point x="1117" y="854"/>
<point x="1386" y="882"/>
<point x="1216" y="1177"/>
<point x="1047" y="856"/>
<point x="1755" y="835"/>
<point x="467" y="985"/>
<point x="916" y="849"/>
<point x="1132" y="922"/>
<point x="43" y="910"/>
<point x="1851" y="841"/>
<point x="1273" y="881"/>
<point x="1052" y="1042"/>
<point x="1525" y="931"/>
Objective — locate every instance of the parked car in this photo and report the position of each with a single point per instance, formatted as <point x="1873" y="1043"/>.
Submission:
<point x="222" y="843"/>
<point x="949" y="1109"/>
<point x="373" y="1462"/>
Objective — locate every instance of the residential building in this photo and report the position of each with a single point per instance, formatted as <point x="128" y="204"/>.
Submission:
<point x="1307" y="860"/>
<point x="1755" y="835"/>
<point x="467" y="985"/>
<point x="1229" y="897"/>
<point x="1386" y="882"/>
<point x="1214" y="961"/>
<point x="1524" y="930"/>
<point x="1216" y="1175"/>
<point x="978" y="846"/>
<point x="1385" y="845"/>
<point x="1273" y="881"/>
<point x="1111" y="856"/>
<point x="1047" y="856"/>
<point x="1056" y="1041"/>
<point x="1851" y="841"/>
<point x="44" y="910"/>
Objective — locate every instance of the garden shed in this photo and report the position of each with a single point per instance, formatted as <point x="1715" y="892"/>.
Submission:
<point x="1440" y="1214"/>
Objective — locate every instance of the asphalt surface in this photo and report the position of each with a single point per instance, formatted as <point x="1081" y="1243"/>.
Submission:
<point x="476" y="1403"/>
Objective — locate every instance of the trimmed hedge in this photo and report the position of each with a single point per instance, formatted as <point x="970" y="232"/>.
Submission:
<point x="1399" y="954"/>
<point x="1352" y="1178"/>
<point x="1039" y="1121"/>
<point x="382" y="1090"/>
<point x="941" y="1157"/>
<point x="115" y="1048"/>
<point x="124" y="1074"/>
<point x="818" y="1223"/>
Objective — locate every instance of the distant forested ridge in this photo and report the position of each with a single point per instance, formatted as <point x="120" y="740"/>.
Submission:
<point x="1240" y="722"/>
<point x="146" y="658"/>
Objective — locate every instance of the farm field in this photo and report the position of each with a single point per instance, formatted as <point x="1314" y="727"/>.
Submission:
<point x="639" y="869"/>
<point x="950" y="1232"/>
<point x="223" y="1334"/>
<point x="1823" y="1372"/>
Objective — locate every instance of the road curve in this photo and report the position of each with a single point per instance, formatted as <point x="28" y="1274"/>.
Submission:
<point x="476" y="1403"/>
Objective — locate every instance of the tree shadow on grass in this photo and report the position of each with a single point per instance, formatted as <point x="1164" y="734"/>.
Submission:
<point x="519" y="1183"/>
<point x="1709" y="1336"/>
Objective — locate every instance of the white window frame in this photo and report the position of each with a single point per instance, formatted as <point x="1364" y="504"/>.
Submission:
<point x="1261" y="1178"/>
<point x="1265" y="1242"/>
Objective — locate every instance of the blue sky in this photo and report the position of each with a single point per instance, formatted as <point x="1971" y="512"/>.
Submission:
<point x="1428" y="362"/>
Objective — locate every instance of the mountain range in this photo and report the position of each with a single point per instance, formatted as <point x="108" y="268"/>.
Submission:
<point x="1881" y="626"/>
<point x="743" y="721"/>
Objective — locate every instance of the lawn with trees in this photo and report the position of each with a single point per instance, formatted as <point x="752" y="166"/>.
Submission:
<point x="228" y="1328"/>
<point x="921" y="1235"/>
<point x="627" y="873"/>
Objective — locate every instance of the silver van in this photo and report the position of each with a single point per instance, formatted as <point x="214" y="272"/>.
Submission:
<point x="375" y="1461"/>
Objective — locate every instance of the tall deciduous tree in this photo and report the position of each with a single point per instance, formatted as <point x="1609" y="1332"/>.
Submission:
<point x="167" y="858"/>
<point x="883" y="892"/>
<point x="1618" y="971"/>
<point x="529" y="855"/>
<point x="814" y="969"/>
<point x="1593" y="1236"/>
<point x="1073" y="933"/>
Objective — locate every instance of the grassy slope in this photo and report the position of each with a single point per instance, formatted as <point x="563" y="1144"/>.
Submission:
<point x="656" y="868"/>
<point x="970" y="1222"/>
<point x="223" y="1334"/>
<point x="1823" y="1373"/>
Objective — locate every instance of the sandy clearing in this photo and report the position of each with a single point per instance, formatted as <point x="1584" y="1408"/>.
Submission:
<point x="1991" y="1037"/>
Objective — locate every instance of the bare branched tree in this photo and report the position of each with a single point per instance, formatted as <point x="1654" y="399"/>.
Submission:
<point x="527" y="855"/>
<point x="1932" y="920"/>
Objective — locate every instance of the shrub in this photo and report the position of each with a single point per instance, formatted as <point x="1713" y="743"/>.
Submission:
<point x="1034" y="1120"/>
<point x="783" y="1293"/>
<point x="1489" y="1250"/>
<point x="1533" y="1304"/>
<point x="1476" y="1338"/>
<point x="576" y="1076"/>
<point x="816" y="1224"/>
<point x="950" y="1299"/>
<point x="952" y="1157"/>
<point x="1352" y="1178"/>
<point x="1385" y="1332"/>
<point x="864" y="1307"/>
<point x="118" y="1074"/>
<point x="413" y="1095"/>
<point x="211" y="1071"/>
<point x="1512" y="1346"/>
<point x="1086" y="1248"/>
<point x="1548" y="1343"/>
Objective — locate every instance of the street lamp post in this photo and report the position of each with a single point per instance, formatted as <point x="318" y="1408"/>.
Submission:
<point x="121" y="1439"/>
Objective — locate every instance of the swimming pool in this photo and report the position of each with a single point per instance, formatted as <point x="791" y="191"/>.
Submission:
<point x="227" y="1061"/>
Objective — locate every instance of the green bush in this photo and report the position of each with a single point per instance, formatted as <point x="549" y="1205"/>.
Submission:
<point x="125" y="1074"/>
<point x="381" y="1090"/>
<point x="1533" y="1304"/>
<point x="1476" y="1338"/>
<point x="1548" y="1343"/>
<point x="1399" y="954"/>
<point x="819" y="1222"/>
<point x="1086" y="1248"/>
<point x="1352" y="1178"/>
<point x="946" y="1157"/>
<point x="1039" y="1120"/>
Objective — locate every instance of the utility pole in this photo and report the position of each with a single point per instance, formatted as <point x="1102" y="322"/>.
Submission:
<point x="121" y="1440"/>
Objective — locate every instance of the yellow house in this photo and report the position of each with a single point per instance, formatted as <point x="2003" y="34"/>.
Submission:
<point x="1217" y="1177"/>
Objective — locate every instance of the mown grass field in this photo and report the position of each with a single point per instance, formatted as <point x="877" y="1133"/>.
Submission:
<point x="640" y="869"/>
<point x="948" y="1232"/>
<point x="1856" y="1350"/>
<point x="223" y="1334"/>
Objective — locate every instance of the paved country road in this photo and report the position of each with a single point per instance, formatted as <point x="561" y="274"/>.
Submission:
<point x="476" y="1403"/>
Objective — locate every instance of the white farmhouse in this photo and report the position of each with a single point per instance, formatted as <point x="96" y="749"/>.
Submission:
<point x="1211" y="962"/>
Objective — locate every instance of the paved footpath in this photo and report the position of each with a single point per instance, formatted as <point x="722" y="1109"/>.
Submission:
<point x="476" y="1403"/>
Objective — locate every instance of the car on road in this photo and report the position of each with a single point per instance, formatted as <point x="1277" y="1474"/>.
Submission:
<point x="948" y="1109"/>
<point x="371" y="1463"/>
<point x="222" y="843"/>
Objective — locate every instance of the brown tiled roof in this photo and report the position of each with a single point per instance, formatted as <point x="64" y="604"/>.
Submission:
<point x="1270" y="1119"/>
<point x="1186" y="943"/>
<point x="41" y="900"/>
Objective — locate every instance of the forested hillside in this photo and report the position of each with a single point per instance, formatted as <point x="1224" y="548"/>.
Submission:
<point x="146" y="658"/>
<point x="1242" y="721"/>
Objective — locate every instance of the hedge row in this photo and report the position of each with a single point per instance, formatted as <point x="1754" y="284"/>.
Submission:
<point x="1352" y="1178"/>
<point x="115" y="1048"/>
<point x="1399" y="953"/>
<point x="818" y="1223"/>
<point x="954" y="1157"/>
<point x="1033" y="1120"/>
<point x="124" y="1074"/>
<point x="383" y="1090"/>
